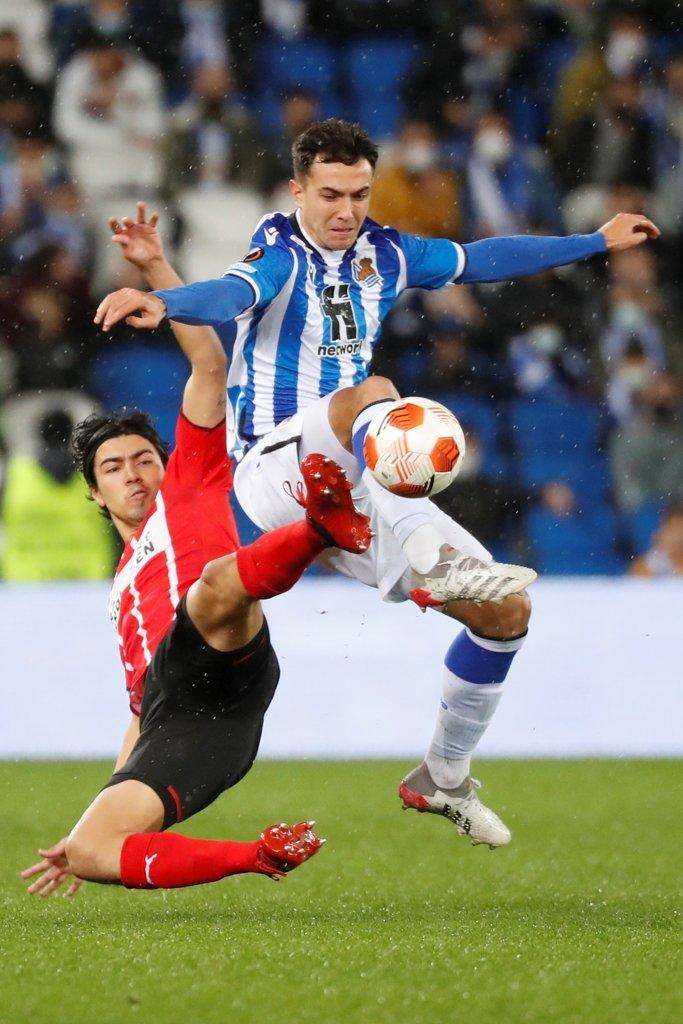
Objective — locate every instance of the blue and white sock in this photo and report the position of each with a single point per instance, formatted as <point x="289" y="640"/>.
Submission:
<point x="473" y="676"/>
<point x="410" y="519"/>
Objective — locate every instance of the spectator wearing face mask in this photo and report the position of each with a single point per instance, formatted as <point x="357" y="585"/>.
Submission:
<point x="109" y="114"/>
<point x="647" y="454"/>
<point x="508" y="187"/>
<point x="412" y="191"/>
<point x="630" y="376"/>
<point x="543" y="363"/>
<point x="629" y="321"/>
<point x="619" y="48"/>
<point x="614" y="141"/>
<point x="214" y="140"/>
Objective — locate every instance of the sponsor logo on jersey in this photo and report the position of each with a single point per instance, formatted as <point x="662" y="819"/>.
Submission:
<point x="349" y="348"/>
<point x="337" y="306"/>
<point x="271" y="235"/>
<point x="365" y="273"/>
<point x="255" y="254"/>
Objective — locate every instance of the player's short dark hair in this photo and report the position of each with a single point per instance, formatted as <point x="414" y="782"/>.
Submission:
<point x="95" y="429"/>
<point x="332" y="142"/>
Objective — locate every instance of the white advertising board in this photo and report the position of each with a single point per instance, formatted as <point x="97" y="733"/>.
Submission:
<point x="600" y="675"/>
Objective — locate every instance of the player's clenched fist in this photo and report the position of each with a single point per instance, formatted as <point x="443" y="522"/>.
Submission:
<point x="628" y="229"/>
<point x="138" y="309"/>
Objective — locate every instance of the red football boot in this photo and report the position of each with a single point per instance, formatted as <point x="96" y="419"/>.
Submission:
<point x="329" y="508"/>
<point x="283" y="847"/>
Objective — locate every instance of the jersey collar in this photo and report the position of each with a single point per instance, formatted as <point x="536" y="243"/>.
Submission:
<point x="332" y="257"/>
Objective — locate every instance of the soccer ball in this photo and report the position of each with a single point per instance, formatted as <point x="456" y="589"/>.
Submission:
<point x="415" y="447"/>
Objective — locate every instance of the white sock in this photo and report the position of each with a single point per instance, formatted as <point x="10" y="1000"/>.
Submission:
<point x="466" y="708"/>
<point x="464" y="714"/>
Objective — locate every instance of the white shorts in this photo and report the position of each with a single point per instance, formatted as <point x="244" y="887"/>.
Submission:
<point x="274" y="459"/>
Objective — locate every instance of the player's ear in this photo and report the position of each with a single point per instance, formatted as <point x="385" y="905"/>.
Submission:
<point x="296" y="189"/>
<point x="97" y="497"/>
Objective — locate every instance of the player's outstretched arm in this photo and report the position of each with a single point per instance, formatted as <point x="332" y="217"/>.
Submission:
<point x="204" y="400"/>
<point x="53" y="868"/>
<point x="503" y="259"/>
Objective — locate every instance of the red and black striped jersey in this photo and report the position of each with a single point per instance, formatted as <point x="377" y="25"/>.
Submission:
<point x="189" y="524"/>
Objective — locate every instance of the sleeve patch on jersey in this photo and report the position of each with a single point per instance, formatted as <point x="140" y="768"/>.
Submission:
<point x="255" y="254"/>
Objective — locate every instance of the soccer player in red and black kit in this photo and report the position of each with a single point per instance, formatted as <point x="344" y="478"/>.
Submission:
<point x="200" y="669"/>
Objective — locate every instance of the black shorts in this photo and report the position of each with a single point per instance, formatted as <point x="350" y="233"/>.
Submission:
<point x="201" y="717"/>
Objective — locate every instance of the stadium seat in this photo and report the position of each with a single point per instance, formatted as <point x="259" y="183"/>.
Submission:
<point x="376" y="70"/>
<point x="147" y="376"/>
<point x="544" y="425"/>
<point x="298" y="63"/>
<point x="641" y="524"/>
<point x="308" y="64"/>
<point x="489" y="422"/>
<point x="573" y="545"/>
<point x="218" y="227"/>
<point x="586" y="473"/>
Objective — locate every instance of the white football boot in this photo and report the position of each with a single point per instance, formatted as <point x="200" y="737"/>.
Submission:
<point x="462" y="806"/>
<point x="457" y="577"/>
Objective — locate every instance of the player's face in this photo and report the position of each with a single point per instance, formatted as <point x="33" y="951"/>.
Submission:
<point x="334" y="201"/>
<point x="128" y="473"/>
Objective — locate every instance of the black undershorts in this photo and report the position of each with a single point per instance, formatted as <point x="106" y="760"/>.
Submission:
<point x="201" y="717"/>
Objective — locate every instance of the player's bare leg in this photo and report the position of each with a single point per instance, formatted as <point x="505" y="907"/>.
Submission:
<point x="118" y="841"/>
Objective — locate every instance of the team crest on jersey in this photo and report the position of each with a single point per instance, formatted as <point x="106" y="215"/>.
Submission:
<point x="365" y="273"/>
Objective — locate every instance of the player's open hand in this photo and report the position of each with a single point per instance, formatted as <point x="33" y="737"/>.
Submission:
<point x="53" y="870"/>
<point x="138" y="309"/>
<point x="628" y="229"/>
<point x="139" y="239"/>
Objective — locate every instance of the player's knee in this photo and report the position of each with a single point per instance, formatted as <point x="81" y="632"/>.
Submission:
<point x="347" y="403"/>
<point x="506" y="619"/>
<point x="86" y="859"/>
<point x="375" y="389"/>
<point x="219" y="580"/>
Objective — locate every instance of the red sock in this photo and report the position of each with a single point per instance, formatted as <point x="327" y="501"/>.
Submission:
<point x="166" y="860"/>
<point x="274" y="562"/>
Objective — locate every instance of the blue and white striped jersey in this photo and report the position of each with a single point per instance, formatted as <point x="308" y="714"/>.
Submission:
<point x="317" y="313"/>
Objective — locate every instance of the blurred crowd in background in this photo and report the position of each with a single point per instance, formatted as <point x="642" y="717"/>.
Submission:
<point x="494" y="117"/>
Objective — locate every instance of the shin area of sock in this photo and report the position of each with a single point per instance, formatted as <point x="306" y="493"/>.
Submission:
<point x="277" y="560"/>
<point x="166" y="860"/>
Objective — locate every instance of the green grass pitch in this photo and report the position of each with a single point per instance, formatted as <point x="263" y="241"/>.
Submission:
<point x="397" y="920"/>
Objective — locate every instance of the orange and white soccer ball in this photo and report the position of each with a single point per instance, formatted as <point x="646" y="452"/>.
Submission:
<point x="415" y="447"/>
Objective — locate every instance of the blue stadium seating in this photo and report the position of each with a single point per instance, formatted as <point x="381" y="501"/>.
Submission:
<point x="575" y="545"/>
<point x="587" y="473"/>
<point x="296" y="64"/>
<point x="147" y="376"/>
<point x="376" y="70"/>
<point x="487" y="420"/>
<point x="641" y="524"/>
<point x="549" y="426"/>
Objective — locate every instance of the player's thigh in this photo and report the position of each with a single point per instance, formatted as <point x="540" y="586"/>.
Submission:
<point x="94" y="845"/>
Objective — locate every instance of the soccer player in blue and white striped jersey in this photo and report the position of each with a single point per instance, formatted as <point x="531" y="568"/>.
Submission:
<point x="308" y="300"/>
